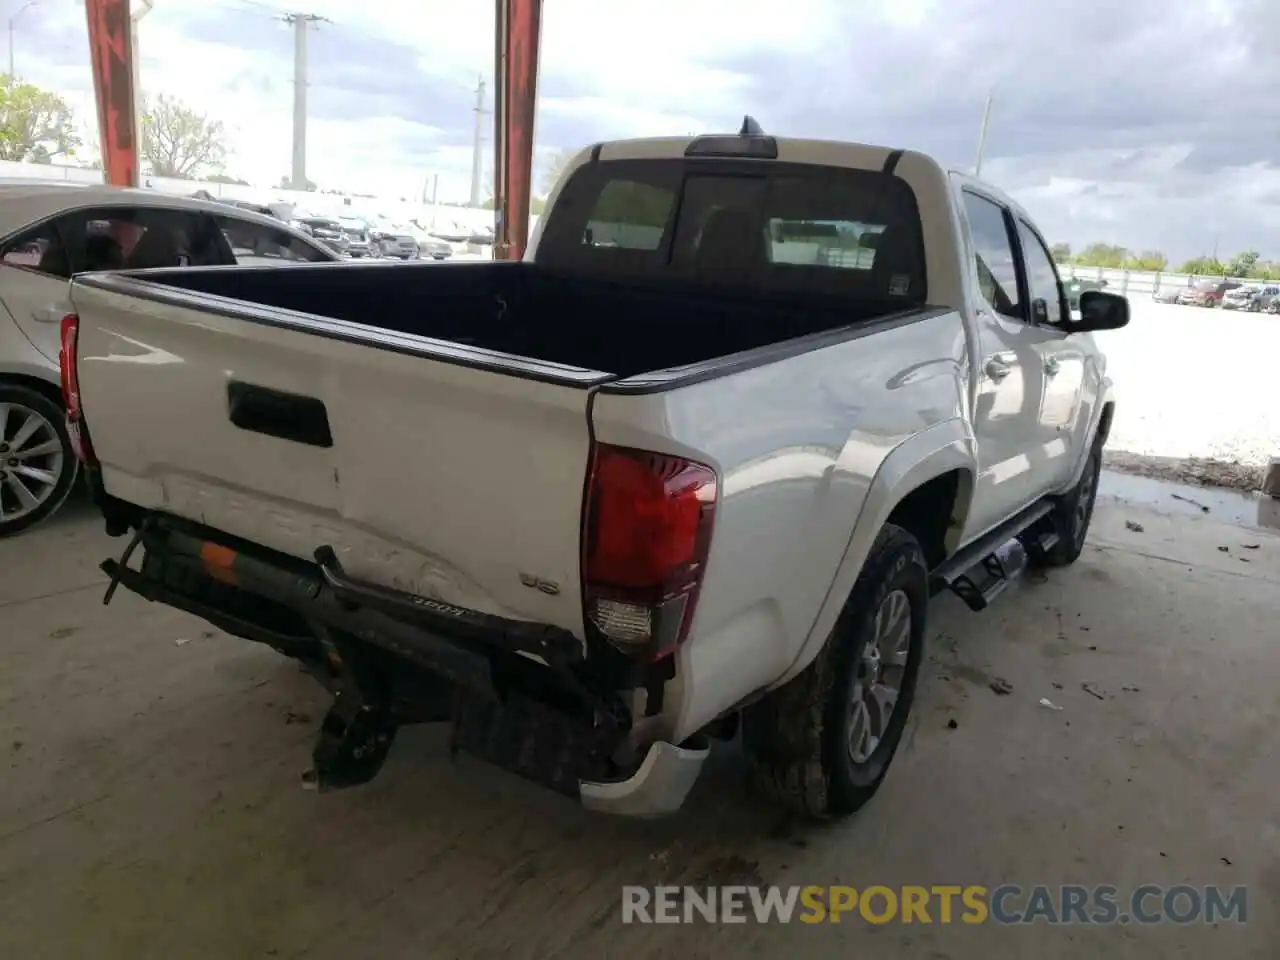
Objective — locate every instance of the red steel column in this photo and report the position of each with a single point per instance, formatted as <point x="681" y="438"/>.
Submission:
<point x="518" y="35"/>
<point x="111" y="50"/>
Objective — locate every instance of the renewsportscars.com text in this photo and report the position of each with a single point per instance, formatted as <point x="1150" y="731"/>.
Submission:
<point x="1006" y="904"/>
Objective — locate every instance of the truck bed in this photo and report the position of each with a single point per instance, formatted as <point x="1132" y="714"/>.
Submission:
<point x="619" y="328"/>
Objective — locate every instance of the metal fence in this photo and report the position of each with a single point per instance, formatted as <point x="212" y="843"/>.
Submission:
<point x="1133" y="283"/>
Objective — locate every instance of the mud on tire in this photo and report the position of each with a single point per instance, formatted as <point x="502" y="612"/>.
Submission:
<point x="797" y="738"/>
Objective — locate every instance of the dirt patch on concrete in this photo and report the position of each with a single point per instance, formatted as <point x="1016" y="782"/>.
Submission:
<point x="1195" y="470"/>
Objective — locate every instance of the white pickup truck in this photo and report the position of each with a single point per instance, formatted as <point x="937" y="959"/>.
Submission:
<point x="692" y="469"/>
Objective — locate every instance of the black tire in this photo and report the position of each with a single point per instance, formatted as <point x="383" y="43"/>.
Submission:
<point x="1072" y="515"/>
<point x="33" y="400"/>
<point x="797" y="737"/>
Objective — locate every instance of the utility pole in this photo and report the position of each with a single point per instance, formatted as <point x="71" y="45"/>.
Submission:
<point x="301" y="23"/>
<point x="982" y="136"/>
<point x="13" y="76"/>
<point x="476" y="144"/>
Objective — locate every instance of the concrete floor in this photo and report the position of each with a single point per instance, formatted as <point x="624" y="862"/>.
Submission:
<point x="1162" y="351"/>
<point x="150" y="803"/>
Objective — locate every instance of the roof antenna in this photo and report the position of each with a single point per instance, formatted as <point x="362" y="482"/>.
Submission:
<point x="750" y="128"/>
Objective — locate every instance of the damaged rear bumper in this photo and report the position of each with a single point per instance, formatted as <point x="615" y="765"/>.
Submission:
<point x="562" y="731"/>
<point x="659" y="787"/>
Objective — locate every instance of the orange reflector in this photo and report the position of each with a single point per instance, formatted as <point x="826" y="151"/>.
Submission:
<point x="219" y="562"/>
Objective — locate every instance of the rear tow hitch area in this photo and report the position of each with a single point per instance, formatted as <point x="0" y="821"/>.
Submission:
<point x="357" y="733"/>
<point x="520" y="695"/>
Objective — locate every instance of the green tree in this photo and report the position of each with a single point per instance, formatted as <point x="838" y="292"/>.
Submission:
<point x="629" y="202"/>
<point x="35" y="125"/>
<point x="1204" y="267"/>
<point x="227" y="178"/>
<point x="1061" y="252"/>
<point x="1243" y="264"/>
<point x="555" y="170"/>
<point x="180" y="142"/>
<point x="1152" y="260"/>
<point x="286" y="183"/>
<point x="1102" y="255"/>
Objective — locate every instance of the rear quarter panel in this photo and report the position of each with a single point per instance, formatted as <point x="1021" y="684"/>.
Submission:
<point x="797" y="445"/>
<point x="20" y="358"/>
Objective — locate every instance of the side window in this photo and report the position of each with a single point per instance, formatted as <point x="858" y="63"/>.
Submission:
<point x="1042" y="275"/>
<point x="41" y="249"/>
<point x="253" y="243"/>
<point x="993" y="250"/>
<point x="629" y="214"/>
<point x="135" y="238"/>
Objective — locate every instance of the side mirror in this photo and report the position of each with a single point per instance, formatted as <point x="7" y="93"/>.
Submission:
<point x="1101" y="311"/>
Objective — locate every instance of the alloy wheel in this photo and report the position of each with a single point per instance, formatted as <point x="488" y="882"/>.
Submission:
<point x="881" y="669"/>
<point x="31" y="461"/>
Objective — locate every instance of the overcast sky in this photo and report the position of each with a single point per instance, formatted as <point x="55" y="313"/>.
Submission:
<point x="1149" y="123"/>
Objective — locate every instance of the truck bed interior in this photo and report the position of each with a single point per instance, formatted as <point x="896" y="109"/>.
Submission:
<point x="621" y="328"/>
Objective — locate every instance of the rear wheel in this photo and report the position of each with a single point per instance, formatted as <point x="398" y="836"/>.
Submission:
<point x="1072" y="515"/>
<point x="37" y="463"/>
<point x="821" y="744"/>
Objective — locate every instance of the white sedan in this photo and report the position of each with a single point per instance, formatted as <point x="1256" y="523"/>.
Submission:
<point x="50" y="230"/>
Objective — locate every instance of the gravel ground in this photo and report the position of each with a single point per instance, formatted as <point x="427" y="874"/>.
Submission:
<point x="1192" y="391"/>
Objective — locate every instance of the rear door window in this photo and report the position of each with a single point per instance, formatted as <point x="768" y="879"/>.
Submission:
<point x="767" y="227"/>
<point x="993" y="251"/>
<point x="256" y="244"/>
<point x="138" y="238"/>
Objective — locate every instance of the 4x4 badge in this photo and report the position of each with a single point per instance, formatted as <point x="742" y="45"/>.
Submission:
<point x="549" y="587"/>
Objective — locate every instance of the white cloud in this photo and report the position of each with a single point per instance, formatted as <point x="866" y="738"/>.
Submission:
<point x="1142" y="124"/>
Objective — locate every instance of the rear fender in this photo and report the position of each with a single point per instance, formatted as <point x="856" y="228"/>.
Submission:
<point x="939" y="449"/>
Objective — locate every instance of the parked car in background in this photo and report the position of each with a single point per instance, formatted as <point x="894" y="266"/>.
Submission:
<point x="452" y="231"/>
<point x="482" y="236"/>
<point x="259" y="208"/>
<point x="1168" y="294"/>
<point x="1251" y="298"/>
<point x="359" y="243"/>
<point x="48" y="231"/>
<point x="1074" y="286"/>
<point x="1273" y="307"/>
<point x="429" y="246"/>
<point x="391" y="239"/>
<point x="327" y="230"/>
<point x="1207" y="293"/>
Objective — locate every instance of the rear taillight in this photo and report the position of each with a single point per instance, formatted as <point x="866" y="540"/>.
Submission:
<point x="645" y="544"/>
<point x="68" y="366"/>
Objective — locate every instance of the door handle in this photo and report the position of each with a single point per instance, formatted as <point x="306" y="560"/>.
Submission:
<point x="1000" y="365"/>
<point x="286" y="416"/>
<point x="1052" y="365"/>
